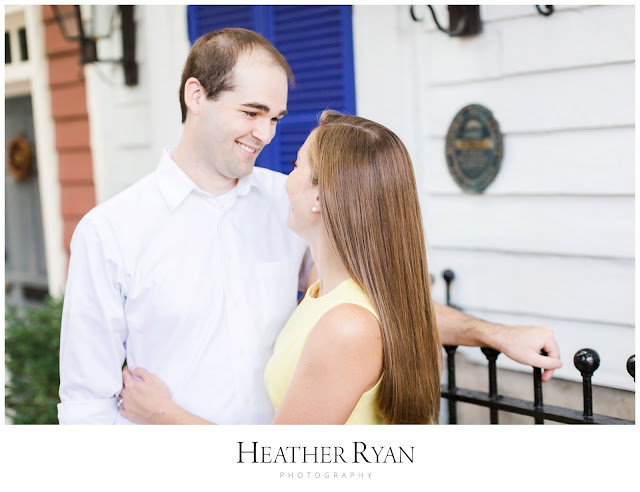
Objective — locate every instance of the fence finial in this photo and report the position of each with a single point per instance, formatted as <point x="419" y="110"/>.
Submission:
<point x="586" y="361"/>
<point x="448" y="277"/>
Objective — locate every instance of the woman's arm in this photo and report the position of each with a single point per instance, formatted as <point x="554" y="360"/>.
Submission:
<point x="341" y="360"/>
<point x="148" y="401"/>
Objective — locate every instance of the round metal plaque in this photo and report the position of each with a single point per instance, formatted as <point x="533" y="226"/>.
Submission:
<point x="474" y="148"/>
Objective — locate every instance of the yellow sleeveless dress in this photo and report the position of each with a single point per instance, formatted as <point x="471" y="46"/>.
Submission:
<point x="288" y="347"/>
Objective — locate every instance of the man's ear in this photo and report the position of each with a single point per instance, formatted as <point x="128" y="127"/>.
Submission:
<point x="194" y="94"/>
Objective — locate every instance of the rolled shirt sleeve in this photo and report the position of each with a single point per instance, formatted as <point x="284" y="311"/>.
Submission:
<point x="94" y="329"/>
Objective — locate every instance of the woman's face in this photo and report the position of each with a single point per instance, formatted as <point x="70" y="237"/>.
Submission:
<point x="303" y="195"/>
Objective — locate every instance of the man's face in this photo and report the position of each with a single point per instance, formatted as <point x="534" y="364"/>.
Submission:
<point x="232" y="130"/>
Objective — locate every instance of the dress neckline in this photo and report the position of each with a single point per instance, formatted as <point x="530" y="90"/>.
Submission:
<point x="314" y="289"/>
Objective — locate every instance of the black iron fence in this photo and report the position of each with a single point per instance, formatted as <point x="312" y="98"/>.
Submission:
<point x="586" y="361"/>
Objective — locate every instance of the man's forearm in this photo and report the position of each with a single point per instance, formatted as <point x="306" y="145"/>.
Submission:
<point x="458" y="328"/>
<point x="520" y="343"/>
<point x="93" y="333"/>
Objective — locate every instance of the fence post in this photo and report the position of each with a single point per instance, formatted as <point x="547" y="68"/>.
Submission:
<point x="451" y="381"/>
<point x="492" y="355"/>
<point x="587" y="361"/>
<point x="537" y="390"/>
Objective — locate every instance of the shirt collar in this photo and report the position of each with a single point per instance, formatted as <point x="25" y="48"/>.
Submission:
<point x="175" y="185"/>
<point x="245" y="184"/>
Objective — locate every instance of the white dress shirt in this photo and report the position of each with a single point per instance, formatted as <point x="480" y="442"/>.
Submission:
<point x="195" y="288"/>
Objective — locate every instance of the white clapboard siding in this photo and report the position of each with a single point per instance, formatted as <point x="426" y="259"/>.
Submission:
<point x="579" y="289"/>
<point x="574" y="31"/>
<point x="492" y="13"/>
<point x="614" y="344"/>
<point x="450" y="60"/>
<point x="595" y="97"/>
<point x="572" y="162"/>
<point x="552" y="238"/>
<point x="588" y="226"/>
<point x="501" y="50"/>
<point x="499" y="13"/>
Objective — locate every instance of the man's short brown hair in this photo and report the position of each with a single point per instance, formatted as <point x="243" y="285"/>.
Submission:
<point x="214" y="55"/>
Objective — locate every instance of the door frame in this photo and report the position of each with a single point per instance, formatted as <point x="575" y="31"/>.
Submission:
<point x="32" y="77"/>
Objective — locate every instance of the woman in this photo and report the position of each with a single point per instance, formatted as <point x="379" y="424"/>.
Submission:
<point x="362" y="346"/>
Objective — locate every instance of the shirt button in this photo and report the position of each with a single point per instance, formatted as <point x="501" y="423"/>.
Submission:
<point x="247" y="400"/>
<point x="229" y="257"/>
<point x="240" y="352"/>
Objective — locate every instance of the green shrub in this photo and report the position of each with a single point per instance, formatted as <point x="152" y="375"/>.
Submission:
<point x="32" y="347"/>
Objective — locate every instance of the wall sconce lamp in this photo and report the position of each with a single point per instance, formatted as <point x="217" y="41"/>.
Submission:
<point x="464" y="20"/>
<point x="90" y="23"/>
<point x="547" y="11"/>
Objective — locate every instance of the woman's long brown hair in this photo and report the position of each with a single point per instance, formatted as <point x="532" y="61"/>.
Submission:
<point x="372" y="215"/>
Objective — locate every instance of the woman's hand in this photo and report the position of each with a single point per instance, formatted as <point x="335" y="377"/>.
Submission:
<point x="144" y="400"/>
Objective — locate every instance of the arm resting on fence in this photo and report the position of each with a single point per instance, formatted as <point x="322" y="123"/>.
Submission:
<point x="520" y="343"/>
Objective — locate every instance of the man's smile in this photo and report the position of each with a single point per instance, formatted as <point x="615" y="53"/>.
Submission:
<point x="246" y="148"/>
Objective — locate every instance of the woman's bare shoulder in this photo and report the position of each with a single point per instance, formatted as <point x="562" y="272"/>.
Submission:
<point x="349" y="336"/>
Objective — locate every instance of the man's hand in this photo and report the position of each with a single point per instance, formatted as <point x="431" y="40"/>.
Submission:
<point x="524" y="343"/>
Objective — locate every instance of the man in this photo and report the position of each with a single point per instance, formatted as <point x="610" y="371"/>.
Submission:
<point x="192" y="271"/>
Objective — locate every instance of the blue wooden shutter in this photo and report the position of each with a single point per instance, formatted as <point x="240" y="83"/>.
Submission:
<point x="206" y="18"/>
<point x="317" y="43"/>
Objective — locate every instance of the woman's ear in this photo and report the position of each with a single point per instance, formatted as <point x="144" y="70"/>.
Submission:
<point x="194" y="94"/>
<point x="316" y="203"/>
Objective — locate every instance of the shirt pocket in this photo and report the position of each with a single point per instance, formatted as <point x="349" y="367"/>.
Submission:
<point x="277" y="292"/>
